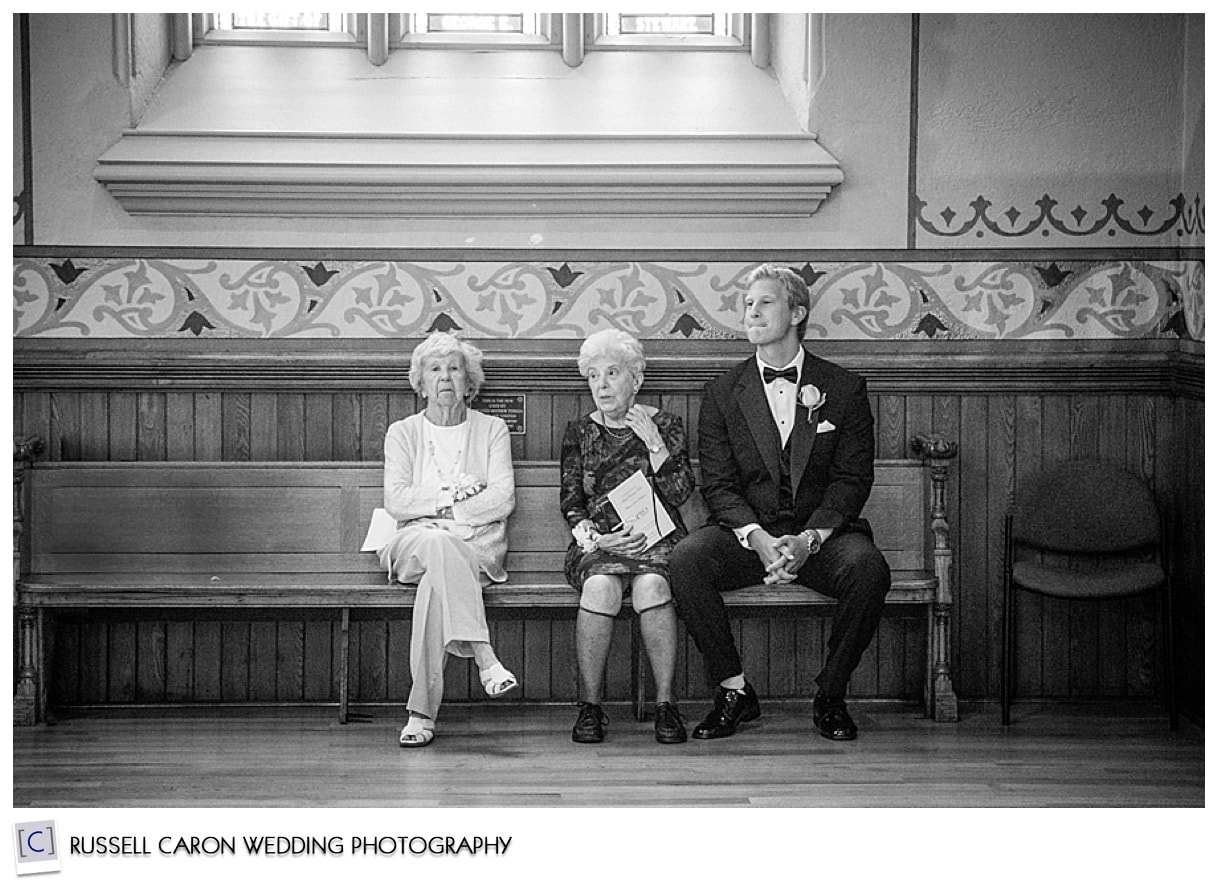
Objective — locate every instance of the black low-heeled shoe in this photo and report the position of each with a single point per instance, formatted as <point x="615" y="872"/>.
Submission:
<point x="670" y="727"/>
<point x="590" y="724"/>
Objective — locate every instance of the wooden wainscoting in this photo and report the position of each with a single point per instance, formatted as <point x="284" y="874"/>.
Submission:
<point x="1012" y="408"/>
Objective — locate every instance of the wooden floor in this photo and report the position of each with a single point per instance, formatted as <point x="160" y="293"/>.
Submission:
<point x="1054" y="755"/>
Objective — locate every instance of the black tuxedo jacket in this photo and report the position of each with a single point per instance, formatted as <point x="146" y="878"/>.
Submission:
<point x="739" y="448"/>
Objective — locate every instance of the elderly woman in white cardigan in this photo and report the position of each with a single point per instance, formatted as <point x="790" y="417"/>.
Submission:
<point x="449" y="484"/>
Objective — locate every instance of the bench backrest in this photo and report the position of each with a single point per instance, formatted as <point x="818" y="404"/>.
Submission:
<point x="230" y="517"/>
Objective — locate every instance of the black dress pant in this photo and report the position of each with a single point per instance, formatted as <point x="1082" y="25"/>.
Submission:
<point x="848" y="568"/>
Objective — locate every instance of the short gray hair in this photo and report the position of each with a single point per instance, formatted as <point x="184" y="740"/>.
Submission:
<point x="616" y="345"/>
<point x="440" y="344"/>
<point x="792" y="282"/>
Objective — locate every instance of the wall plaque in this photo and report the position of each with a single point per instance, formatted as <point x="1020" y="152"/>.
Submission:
<point x="508" y="407"/>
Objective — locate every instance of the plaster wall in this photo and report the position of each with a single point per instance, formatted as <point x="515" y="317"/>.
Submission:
<point x="1010" y="108"/>
<point x="1075" y="107"/>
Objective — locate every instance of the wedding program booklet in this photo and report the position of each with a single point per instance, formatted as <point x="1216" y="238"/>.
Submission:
<point x="636" y="504"/>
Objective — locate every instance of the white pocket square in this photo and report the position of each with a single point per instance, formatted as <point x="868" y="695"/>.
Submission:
<point x="825" y="426"/>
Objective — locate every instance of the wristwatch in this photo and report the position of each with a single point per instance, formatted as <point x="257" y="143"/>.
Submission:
<point x="813" y="539"/>
<point x="656" y="448"/>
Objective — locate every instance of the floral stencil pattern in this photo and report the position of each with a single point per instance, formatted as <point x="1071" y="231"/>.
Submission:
<point x="125" y="297"/>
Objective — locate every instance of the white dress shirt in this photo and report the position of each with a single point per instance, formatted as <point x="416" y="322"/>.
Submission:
<point x="781" y="395"/>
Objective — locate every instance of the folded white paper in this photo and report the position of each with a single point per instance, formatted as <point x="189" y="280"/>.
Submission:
<point x="637" y="506"/>
<point x="380" y="530"/>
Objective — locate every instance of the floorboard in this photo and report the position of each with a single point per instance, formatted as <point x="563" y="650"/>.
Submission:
<point x="522" y="755"/>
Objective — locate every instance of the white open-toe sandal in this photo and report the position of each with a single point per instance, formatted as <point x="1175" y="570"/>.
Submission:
<point x="418" y="732"/>
<point x="498" y="680"/>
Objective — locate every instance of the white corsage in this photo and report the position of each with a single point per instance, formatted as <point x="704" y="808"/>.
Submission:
<point x="813" y="399"/>
<point x="466" y="486"/>
<point x="585" y="536"/>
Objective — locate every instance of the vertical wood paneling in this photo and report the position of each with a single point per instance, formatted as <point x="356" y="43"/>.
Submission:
<point x="235" y="673"/>
<point x="94" y="426"/>
<point x="398" y="674"/>
<point x="1109" y="649"/>
<point x="782" y="657"/>
<point x="179" y="426"/>
<point x="263" y="426"/>
<point x="289" y="661"/>
<point x="150" y="661"/>
<point x="564" y="677"/>
<point x="971" y="651"/>
<point x="1084" y="619"/>
<point x="1000" y="487"/>
<point x="262" y="652"/>
<point x="120" y="667"/>
<point x="890" y="655"/>
<point x="179" y="661"/>
<point x="372" y="657"/>
<point x="235" y="428"/>
<point x="538" y="419"/>
<point x="209" y="418"/>
<point x="1055" y="630"/>
<point x="65" y="427"/>
<point x="374" y="420"/>
<point x="290" y="428"/>
<point x="94" y="661"/>
<point x="890" y="427"/>
<point x="317" y="660"/>
<point x="1029" y="613"/>
<point x="66" y="652"/>
<point x="1111" y="643"/>
<point x="345" y="427"/>
<point x="124" y="426"/>
<point x="209" y="661"/>
<point x="617" y="670"/>
<point x="319" y="426"/>
<point x="150" y="438"/>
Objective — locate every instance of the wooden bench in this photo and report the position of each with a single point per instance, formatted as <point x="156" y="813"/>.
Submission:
<point x="278" y="536"/>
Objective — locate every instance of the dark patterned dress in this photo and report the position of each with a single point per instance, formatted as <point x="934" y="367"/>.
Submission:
<point x="595" y="459"/>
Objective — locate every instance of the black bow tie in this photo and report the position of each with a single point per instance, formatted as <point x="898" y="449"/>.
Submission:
<point x="791" y="375"/>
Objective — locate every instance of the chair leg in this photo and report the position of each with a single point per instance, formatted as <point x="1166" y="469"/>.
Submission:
<point x="1169" y="659"/>
<point x="1006" y="679"/>
<point x="1007" y="673"/>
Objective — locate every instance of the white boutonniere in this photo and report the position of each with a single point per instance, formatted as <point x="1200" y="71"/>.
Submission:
<point x="813" y="399"/>
<point x="466" y="486"/>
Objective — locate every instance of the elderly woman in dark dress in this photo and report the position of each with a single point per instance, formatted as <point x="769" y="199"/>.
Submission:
<point x="606" y="560"/>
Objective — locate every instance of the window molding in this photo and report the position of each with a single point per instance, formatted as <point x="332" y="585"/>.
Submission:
<point x="473" y="175"/>
<point x="544" y="32"/>
<point x="205" y="32"/>
<point x="599" y="35"/>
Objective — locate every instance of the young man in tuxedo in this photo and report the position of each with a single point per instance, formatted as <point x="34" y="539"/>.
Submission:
<point x="787" y="446"/>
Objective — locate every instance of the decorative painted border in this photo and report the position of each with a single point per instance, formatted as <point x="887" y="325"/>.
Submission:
<point x="1184" y="219"/>
<point x="104" y="297"/>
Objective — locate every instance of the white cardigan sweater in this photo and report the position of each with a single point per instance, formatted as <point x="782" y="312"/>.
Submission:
<point x="488" y="457"/>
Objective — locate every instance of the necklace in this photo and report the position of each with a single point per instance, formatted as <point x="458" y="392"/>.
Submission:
<point x="450" y="479"/>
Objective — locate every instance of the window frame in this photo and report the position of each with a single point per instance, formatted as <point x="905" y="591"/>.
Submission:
<point x="205" y="32"/>
<point x="598" y="36"/>
<point x="405" y="33"/>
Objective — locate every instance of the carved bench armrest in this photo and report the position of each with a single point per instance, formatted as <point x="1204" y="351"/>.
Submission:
<point x="938" y="451"/>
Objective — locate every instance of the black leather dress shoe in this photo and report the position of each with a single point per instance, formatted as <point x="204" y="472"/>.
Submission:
<point x="832" y="720"/>
<point x="670" y="728"/>
<point x="590" y="724"/>
<point x="732" y="707"/>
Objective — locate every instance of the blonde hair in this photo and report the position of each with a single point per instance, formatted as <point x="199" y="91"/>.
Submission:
<point x="792" y="282"/>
